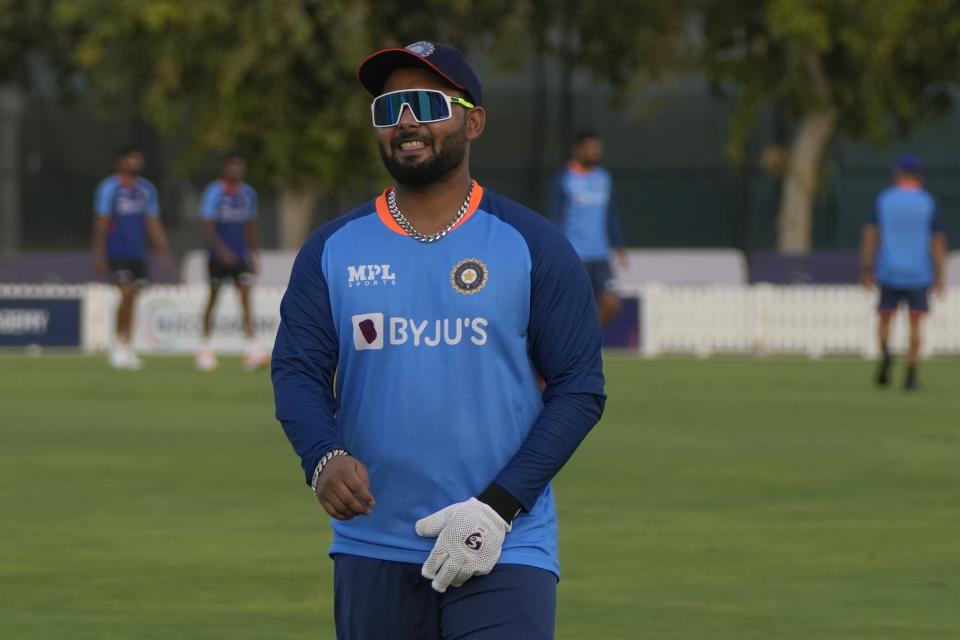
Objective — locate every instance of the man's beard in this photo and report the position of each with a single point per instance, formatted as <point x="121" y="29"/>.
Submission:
<point x="429" y="171"/>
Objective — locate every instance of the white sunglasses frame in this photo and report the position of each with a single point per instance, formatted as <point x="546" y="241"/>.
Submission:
<point x="451" y="100"/>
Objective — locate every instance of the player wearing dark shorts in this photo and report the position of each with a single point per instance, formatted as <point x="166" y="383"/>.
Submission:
<point x="128" y="270"/>
<point x="581" y="203"/>
<point x="239" y="273"/>
<point x="904" y="251"/>
<point x="916" y="300"/>
<point x="229" y="213"/>
<point x="126" y="212"/>
<point x="437" y="361"/>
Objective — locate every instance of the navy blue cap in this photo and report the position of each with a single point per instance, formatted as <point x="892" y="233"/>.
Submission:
<point x="441" y="59"/>
<point x="908" y="163"/>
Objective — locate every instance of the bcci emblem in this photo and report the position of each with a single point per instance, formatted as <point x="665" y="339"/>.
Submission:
<point x="422" y="48"/>
<point x="469" y="276"/>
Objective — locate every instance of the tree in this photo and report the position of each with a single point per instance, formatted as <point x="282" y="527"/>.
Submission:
<point x="274" y="78"/>
<point x="867" y="68"/>
<point x="24" y="32"/>
<point x="277" y="78"/>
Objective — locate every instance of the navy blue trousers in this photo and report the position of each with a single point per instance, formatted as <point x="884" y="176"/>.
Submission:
<point x="380" y="600"/>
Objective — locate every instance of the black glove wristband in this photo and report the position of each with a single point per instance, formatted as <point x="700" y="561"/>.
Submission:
<point x="501" y="501"/>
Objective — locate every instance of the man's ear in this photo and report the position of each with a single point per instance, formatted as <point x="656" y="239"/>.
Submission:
<point x="476" y="120"/>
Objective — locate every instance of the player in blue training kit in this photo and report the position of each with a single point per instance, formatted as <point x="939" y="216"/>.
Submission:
<point x="904" y="250"/>
<point x="126" y="211"/>
<point x="581" y="203"/>
<point x="415" y="334"/>
<point x="229" y="213"/>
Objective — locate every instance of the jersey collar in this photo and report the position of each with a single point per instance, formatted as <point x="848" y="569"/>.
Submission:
<point x="909" y="184"/>
<point x="126" y="181"/>
<point x="383" y="212"/>
<point x="579" y="169"/>
<point x="230" y="188"/>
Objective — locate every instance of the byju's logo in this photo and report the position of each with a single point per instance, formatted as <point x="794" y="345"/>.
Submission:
<point x="368" y="331"/>
<point x="370" y="275"/>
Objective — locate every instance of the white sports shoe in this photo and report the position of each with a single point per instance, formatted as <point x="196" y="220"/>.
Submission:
<point x="122" y="357"/>
<point x="206" y="360"/>
<point x="133" y="362"/>
<point x="255" y="358"/>
<point x="116" y="357"/>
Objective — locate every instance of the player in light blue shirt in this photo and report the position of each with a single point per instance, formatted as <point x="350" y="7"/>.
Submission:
<point x="581" y="202"/>
<point x="904" y="250"/>
<point x="126" y="211"/>
<point x="437" y="362"/>
<point x="229" y="213"/>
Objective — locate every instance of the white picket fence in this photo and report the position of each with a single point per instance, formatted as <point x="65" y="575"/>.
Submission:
<point x="767" y="320"/>
<point x="703" y="320"/>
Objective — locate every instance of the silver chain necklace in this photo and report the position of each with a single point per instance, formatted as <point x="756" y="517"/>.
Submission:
<point x="401" y="220"/>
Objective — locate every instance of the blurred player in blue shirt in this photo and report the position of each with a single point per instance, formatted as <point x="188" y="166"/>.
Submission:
<point x="903" y="250"/>
<point x="229" y="213"/>
<point x="126" y="211"/>
<point x="437" y="362"/>
<point x="581" y="202"/>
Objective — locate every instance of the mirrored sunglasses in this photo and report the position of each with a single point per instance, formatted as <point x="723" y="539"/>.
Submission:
<point x="426" y="105"/>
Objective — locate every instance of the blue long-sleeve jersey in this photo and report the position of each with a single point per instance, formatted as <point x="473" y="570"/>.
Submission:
<point x="425" y="361"/>
<point x="581" y="203"/>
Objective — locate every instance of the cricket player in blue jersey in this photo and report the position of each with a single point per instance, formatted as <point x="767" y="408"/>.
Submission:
<point x="126" y="211"/>
<point x="229" y="213"/>
<point x="437" y="363"/>
<point x="904" y="249"/>
<point x="581" y="203"/>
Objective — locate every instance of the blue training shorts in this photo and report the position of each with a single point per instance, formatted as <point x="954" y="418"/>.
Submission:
<point x="916" y="299"/>
<point x="380" y="600"/>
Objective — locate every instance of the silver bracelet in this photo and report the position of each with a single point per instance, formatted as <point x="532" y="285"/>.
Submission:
<point x="327" y="457"/>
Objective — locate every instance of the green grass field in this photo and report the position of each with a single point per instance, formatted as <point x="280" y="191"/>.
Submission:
<point x="717" y="499"/>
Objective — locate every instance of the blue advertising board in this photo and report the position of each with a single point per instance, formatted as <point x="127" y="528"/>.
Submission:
<point x="47" y="322"/>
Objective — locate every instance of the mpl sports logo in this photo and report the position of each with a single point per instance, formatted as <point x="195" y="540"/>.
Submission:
<point x="374" y="331"/>
<point x="370" y="275"/>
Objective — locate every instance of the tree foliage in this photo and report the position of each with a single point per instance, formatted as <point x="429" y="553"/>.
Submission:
<point x="883" y="65"/>
<point x="25" y="31"/>
<point x="275" y="78"/>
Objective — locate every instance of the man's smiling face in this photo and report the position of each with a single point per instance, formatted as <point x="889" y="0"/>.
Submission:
<point x="418" y="154"/>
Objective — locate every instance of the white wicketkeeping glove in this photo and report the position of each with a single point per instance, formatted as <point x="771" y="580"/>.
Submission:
<point x="469" y="539"/>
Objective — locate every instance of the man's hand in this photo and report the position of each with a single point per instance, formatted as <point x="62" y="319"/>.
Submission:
<point x="227" y="257"/>
<point x="166" y="261"/>
<point x="866" y="278"/>
<point x="469" y="539"/>
<point x="938" y="288"/>
<point x="343" y="488"/>
<point x="622" y="260"/>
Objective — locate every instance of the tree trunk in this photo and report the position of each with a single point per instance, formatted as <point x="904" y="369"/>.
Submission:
<point x="794" y="220"/>
<point x="296" y="215"/>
